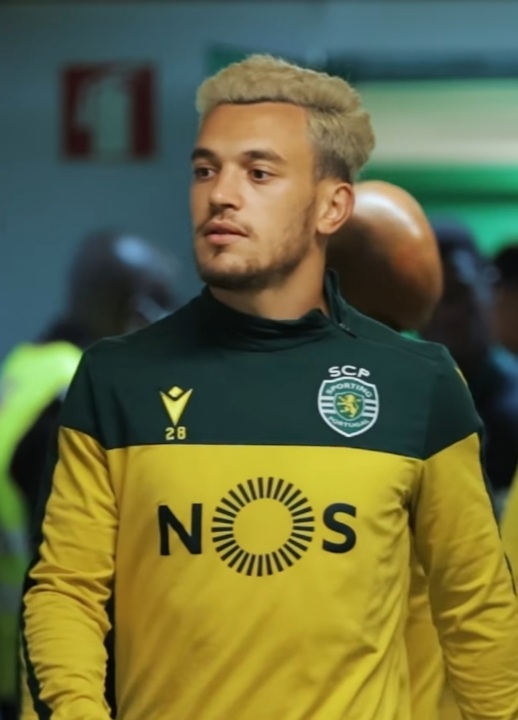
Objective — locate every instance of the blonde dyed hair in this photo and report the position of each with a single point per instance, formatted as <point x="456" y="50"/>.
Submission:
<point x="339" y="127"/>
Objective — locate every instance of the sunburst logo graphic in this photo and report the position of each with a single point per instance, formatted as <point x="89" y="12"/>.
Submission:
<point x="262" y="527"/>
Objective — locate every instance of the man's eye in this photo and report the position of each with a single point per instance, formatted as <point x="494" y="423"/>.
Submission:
<point x="258" y="174"/>
<point x="202" y="173"/>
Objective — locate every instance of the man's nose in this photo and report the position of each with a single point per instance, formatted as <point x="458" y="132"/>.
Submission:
<point x="226" y="191"/>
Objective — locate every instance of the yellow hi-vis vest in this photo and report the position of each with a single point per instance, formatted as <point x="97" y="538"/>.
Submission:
<point x="32" y="376"/>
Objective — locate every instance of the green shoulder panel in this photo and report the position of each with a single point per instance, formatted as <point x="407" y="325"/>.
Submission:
<point x="453" y="416"/>
<point x="79" y="411"/>
<point x="451" y="413"/>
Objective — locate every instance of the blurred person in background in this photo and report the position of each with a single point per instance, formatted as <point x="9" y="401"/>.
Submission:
<point x="389" y="267"/>
<point x="249" y="496"/>
<point x="117" y="282"/>
<point x="462" y="322"/>
<point x="387" y="258"/>
<point x="505" y="307"/>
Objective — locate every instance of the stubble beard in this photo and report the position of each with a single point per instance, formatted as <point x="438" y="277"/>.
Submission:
<point x="252" y="276"/>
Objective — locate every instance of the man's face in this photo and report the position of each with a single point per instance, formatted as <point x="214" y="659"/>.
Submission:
<point x="253" y="195"/>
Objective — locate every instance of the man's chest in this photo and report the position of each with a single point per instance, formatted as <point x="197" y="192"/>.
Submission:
<point x="261" y="508"/>
<point x="281" y="400"/>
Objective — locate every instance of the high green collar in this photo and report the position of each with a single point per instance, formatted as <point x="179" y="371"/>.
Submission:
<point x="235" y="329"/>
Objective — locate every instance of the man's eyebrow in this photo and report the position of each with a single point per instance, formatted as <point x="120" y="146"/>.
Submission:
<point x="203" y="153"/>
<point x="269" y="155"/>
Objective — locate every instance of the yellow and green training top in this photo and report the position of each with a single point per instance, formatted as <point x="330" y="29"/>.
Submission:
<point x="242" y="493"/>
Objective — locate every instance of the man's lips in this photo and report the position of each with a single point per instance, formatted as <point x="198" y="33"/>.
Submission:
<point x="223" y="233"/>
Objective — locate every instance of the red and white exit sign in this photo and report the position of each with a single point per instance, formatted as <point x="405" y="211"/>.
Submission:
<point x="109" y="111"/>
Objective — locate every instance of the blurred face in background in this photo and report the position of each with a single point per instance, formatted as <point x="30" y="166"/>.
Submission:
<point x="254" y="196"/>
<point x="462" y="318"/>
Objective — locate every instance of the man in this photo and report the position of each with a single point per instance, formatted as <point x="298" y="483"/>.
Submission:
<point x="505" y="309"/>
<point x="509" y="525"/>
<point x="253" y="529"/>
<point x="389" y="268"/>
<point x="117" y="282"/>
<point x="462" y="322"/>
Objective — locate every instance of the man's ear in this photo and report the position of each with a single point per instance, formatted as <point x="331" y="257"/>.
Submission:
<point x="336" y="203"/>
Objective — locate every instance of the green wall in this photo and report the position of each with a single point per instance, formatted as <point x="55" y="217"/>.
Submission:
<point x="485" y="198"/>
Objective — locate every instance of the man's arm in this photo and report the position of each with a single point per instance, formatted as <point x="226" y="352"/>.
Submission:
<point x="70" y="580"/>
<point x="472" y="595"/>
<point x="509" y="525"/>
<point x="31" y="453"/>
<point x="425" y="661"/>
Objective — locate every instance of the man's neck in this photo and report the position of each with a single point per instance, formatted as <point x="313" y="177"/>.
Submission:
<point x="290" y="300"/>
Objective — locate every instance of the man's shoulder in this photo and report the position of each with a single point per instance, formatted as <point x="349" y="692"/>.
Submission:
<point x="422" y="380"/>
<point x="167" y="337"/>
<point x="383" y="339"/>
<point x="129" y="372"/>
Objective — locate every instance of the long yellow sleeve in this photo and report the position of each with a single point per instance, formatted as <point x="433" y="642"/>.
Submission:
<point x="509" y="527"/>
<point x="457" y="541"/>
<point x="425" y="661"/>
<point x="64" y="616"/>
